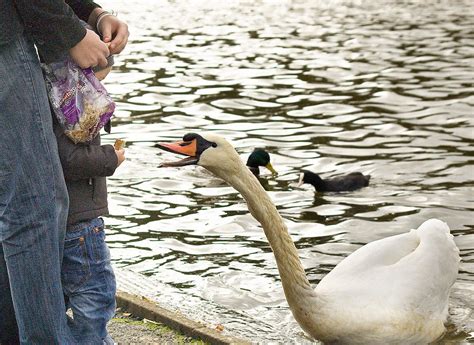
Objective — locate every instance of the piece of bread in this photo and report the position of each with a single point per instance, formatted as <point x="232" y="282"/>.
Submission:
<point x="119" y="144"/>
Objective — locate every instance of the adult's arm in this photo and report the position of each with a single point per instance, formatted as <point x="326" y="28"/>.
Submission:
<point x="83" y="8"/>
<point x="54" y="26"/>
<point x="112" y="29"/>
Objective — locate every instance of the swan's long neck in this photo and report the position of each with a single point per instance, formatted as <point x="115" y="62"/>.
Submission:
<point x="296" y="286"/>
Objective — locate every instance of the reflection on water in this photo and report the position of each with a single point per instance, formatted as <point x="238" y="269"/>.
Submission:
<point x="333" y="87"/>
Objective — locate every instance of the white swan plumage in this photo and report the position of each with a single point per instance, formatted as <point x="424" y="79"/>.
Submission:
<point x="390" y="291"/>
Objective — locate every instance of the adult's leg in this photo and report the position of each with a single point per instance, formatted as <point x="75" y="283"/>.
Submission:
<point x="8" y="326"/>
<point x="33" y="198"/>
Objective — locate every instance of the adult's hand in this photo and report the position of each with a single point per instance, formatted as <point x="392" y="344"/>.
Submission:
<point x="90" y="51"/>
<point x="115" y="32"/>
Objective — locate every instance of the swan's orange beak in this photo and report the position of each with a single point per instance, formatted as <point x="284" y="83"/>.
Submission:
<point x="186" y="148"/>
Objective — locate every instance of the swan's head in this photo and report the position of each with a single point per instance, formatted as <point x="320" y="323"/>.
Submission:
<point x="208" y="150"/>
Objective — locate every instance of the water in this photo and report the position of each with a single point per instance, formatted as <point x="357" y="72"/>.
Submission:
<point x="384" y="88"/>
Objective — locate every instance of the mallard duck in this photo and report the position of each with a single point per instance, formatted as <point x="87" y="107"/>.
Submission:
<point x="260" y="158"/>
<point x="343" y="183"/>
<point x="390" y="291"/>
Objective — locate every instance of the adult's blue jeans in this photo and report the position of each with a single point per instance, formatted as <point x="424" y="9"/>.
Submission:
<point x="89" y="282"/>
<point x="33" y="204"/>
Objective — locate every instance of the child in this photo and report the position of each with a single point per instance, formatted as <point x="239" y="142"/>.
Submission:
<point x="87" y="276"/>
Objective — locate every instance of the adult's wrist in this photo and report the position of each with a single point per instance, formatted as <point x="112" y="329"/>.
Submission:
<point x="99" y="16"/>
<point x="94" y="15"/>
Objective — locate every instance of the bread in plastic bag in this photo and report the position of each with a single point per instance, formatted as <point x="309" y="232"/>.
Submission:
<point x="79" y="101"/>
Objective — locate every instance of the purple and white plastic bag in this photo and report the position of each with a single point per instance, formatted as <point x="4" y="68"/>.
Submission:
<point x="79" y="101"/>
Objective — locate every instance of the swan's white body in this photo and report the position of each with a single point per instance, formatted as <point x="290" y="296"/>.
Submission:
<point x="390" y="291"/>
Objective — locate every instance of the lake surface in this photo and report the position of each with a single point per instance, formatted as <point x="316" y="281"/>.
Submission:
<point x="385" y="88"/>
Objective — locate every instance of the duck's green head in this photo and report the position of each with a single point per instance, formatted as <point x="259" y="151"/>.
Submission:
<point x="260" y="158"/>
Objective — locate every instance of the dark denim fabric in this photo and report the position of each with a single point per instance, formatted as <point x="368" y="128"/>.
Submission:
<point x="88" y="282"/>
<point x="33" y="203"/>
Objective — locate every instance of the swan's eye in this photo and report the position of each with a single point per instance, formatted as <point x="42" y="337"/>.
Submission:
<point x="214" y="145"/>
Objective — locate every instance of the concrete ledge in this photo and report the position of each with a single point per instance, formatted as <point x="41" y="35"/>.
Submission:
<point x="146" y="309"/>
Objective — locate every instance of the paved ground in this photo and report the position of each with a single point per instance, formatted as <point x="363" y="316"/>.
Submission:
<point x="127" y="330"/>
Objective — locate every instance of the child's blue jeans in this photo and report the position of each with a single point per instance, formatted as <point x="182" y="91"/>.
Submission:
<point x="88" y="282"/>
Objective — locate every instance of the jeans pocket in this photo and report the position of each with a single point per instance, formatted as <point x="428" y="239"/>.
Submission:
<point x="101" y="253"/>
<point x="76" y="267"/>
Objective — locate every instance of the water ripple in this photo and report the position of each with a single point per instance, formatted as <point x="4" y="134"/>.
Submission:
<point x="334" y="87"/>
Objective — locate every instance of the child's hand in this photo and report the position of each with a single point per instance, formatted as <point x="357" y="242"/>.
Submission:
<point x="120" y="156"/>
<point x="101" y="74"/>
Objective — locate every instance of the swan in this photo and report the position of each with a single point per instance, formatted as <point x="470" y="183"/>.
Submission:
<point x="259" y="158"/>
<point x="390" y="291"/>
<point x="347" y="182"/>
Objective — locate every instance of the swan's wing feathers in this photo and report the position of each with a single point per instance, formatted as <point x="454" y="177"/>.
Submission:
<point x="438" y="251"/>
<point x="412" y="272"/>
<point x="383" y="252"/>
<point x="424" y="252"/>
